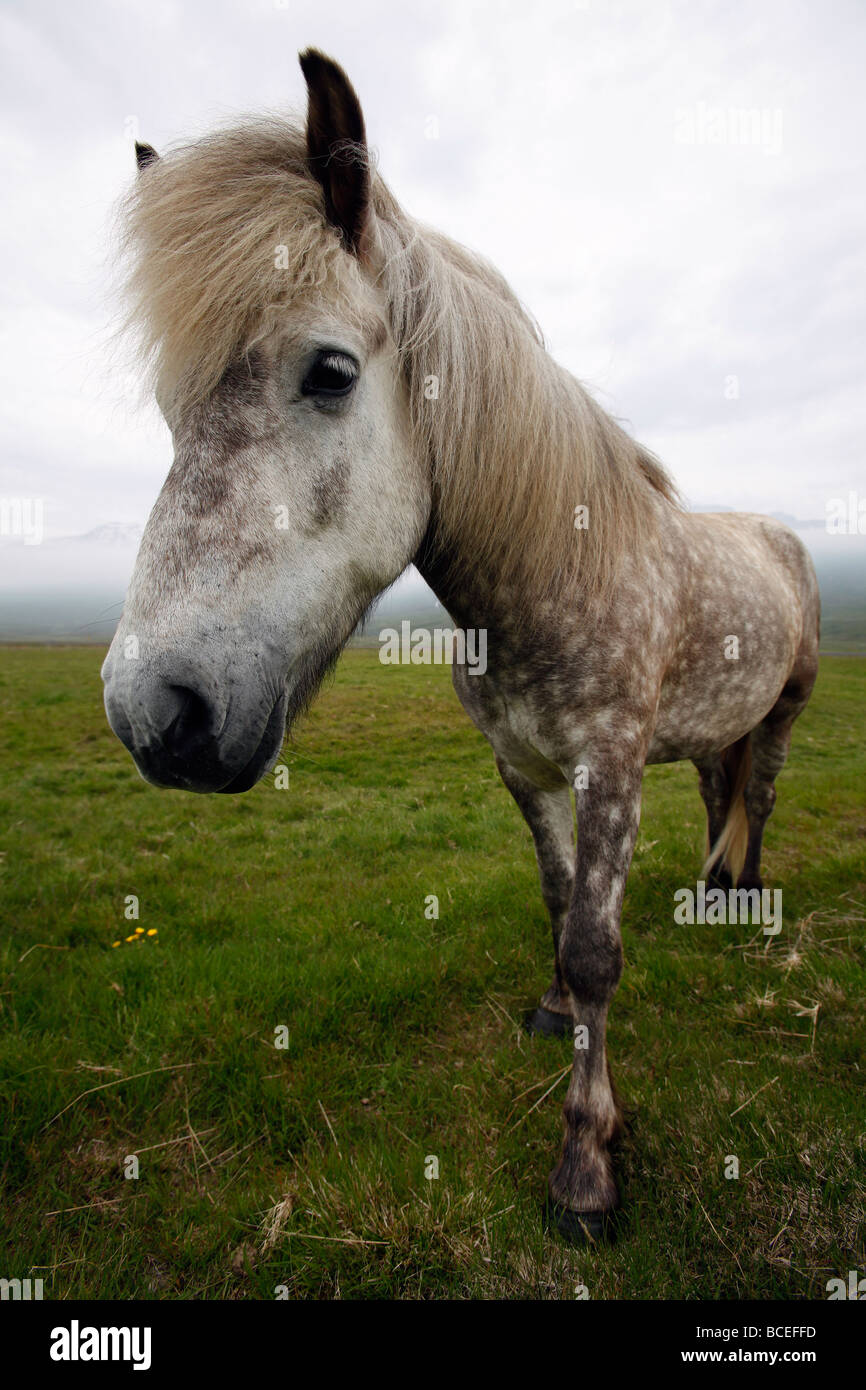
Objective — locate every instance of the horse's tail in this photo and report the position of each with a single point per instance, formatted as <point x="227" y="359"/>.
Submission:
<point x="729" y="851"/>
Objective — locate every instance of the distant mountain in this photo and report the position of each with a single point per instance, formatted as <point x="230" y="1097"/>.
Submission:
<point x="71" y="588"/>
<point x="125" y="533"/>
<point x="795" y="522"/>
<point x="67" y="588"/>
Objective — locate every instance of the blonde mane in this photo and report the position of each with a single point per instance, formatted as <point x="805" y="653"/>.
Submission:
<point x="515" y="443"/>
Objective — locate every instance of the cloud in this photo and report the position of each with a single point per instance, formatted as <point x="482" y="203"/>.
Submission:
<point x="660" y="267"/>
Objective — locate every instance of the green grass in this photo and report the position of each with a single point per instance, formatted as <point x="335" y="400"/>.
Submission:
<point x="305" y="1167"/>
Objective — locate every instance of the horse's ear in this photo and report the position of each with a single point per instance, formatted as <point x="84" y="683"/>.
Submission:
<point x="144" y="155"/>
<point x="337" y="146"/>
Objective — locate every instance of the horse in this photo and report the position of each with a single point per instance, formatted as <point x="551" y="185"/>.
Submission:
<point x="350" y="391"/>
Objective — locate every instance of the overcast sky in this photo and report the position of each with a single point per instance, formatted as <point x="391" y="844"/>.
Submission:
<point x="710" y="288"/>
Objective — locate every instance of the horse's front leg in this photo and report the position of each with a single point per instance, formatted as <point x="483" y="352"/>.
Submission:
<point x="582" y="1186"/>
<point x="549" y="815"/>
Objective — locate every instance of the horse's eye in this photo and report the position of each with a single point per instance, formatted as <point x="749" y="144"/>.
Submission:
<point x="332" y="374"/>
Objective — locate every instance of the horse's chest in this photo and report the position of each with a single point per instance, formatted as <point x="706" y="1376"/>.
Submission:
<point x="522" y="733"/>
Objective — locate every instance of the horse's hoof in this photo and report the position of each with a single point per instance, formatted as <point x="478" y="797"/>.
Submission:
<point x="580" y="1227"/>
<point x="548" y="1024"/>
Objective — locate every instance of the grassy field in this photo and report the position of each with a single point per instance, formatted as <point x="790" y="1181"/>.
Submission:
<point x="302" y="909"/>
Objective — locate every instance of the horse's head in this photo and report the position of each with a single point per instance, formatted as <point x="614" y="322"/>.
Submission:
<point x="296" y="494"/>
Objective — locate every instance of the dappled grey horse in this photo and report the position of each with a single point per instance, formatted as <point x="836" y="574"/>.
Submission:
<point x="349" y="391"/>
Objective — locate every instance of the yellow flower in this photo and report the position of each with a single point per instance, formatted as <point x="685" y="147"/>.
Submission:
<point x="152" y="931"/>
<point x="115" y="943"/>
<point x="139" y="930"/>
<point x="130" y="938"/>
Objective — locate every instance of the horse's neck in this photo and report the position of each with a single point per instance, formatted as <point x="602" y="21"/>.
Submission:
<point x="480" y="597"/>
<point x="522" y="448"/>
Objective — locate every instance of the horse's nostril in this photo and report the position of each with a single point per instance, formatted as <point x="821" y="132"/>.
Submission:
<point x="191" y="726"/>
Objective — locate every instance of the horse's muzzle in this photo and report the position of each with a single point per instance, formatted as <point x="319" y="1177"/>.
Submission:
<point x="183" y="735"/>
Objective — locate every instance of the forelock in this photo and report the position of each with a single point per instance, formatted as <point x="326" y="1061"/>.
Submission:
<point x="220" y="238"/>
